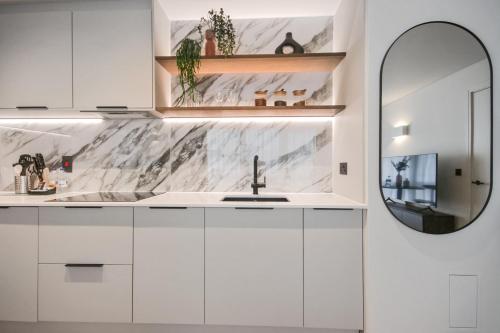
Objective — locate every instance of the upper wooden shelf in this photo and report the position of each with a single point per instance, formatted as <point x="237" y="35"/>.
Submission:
<point x="262" y="63"/>
<point x="251" y="111"/>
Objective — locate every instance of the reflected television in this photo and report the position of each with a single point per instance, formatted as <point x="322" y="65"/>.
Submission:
<point x="410" y="179"/>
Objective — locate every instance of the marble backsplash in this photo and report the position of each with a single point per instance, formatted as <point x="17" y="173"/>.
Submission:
<point x="197" y="155"/>
<point x="175" y="155"/>
<point x="261" y="36"/>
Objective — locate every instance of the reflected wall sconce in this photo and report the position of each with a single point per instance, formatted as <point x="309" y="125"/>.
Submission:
<point x="400" y="131"/>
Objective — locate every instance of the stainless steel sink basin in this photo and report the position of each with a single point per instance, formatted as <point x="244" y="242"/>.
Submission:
<point x="255" y="198"/>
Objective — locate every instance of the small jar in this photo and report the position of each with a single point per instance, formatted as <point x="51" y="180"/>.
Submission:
<point x="299" y="99"/>
<point x="280" y="97"/>
<point x="261" y="98"/>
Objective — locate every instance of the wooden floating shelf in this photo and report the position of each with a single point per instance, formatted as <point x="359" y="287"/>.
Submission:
<point x="262" y="63"/>
<point x="251" y="111"/>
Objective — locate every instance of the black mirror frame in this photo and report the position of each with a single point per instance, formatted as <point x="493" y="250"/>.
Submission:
<point x="380" y="124"/>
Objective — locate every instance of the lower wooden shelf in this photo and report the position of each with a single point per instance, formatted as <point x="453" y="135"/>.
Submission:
<point x="251" y="111"/>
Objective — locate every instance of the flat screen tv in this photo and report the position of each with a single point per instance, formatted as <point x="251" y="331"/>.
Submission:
<point x="410" y="179"/>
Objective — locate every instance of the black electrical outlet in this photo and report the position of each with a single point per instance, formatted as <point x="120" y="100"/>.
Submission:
<point x="343" y="168"/>
<point x="458" y="172"/>
<point x="67" y="163"/>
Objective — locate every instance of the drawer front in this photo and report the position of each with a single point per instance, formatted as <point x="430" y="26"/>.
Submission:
<point x="85" y="294"/>
<point x="86" y="235"/>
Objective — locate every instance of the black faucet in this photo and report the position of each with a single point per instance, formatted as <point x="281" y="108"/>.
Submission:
<point x="256" y="185"/>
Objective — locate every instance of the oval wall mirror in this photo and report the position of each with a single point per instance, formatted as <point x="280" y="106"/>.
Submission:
<point x="436" y="128"/>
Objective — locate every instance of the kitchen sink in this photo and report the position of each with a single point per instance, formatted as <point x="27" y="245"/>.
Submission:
<point x="255" y="199"/>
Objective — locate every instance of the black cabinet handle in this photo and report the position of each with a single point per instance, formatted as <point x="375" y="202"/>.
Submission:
<point x="112" y="107"/>
<point x="37" y="107"/>
<point x="83" y="207"/>
<point x="4" y="207"/>
<point x="478" y="182"/>
<point x="84" y="265"/>
<point x="333" y="208"/>
<point x="255" y="208"/>
<point x="167" y="207"/>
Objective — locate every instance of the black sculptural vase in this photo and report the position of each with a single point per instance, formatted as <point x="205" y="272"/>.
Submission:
<point x="289" y="46"/>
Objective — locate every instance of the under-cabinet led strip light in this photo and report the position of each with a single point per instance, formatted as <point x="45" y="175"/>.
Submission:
<point x="252" y="119"/>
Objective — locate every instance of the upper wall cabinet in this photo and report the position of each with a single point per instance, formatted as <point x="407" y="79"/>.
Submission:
<point x="35" y="60"/>
<point x="113" y="59"/>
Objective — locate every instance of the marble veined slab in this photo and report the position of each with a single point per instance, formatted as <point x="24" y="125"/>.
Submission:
<point x="186" y="155"/>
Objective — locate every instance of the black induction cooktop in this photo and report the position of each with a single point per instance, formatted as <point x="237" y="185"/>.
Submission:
<point x="108" y="197"/>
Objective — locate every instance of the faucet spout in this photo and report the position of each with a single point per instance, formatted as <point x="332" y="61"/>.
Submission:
<point x="256" y="185"/>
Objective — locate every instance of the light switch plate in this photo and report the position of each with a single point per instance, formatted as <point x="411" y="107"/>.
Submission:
<point x="343" y="168"/>
<point x="67" y="163"/>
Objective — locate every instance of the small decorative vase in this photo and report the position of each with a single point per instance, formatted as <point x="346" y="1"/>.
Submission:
<point x="289" y="46"/>
<point x="210" y="42"/>
<point x="399" y="181"/>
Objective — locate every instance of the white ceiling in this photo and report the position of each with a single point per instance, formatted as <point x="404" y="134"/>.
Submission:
<point x="194" y="9"/>
<point x="427" y="54"/>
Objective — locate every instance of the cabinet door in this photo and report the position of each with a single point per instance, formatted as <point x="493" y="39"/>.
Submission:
<point x="113" y="59"/>
<point x="168" y="266"/>
<point x="253" y="267"/>
<point x="35" y="60"/>
<point x="18" y="264"/>
<point x="333" y="277"/>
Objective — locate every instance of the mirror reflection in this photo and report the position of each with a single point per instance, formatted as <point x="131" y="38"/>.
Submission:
<point x="435" y="164"/>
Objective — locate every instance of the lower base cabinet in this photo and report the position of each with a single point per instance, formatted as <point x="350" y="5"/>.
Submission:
<point x="169" y="265"/>
<point x="253" y="267"/>
<point x="18" y="263"/>
<point x="333" y="269"/>
<point x="85" y="294"/>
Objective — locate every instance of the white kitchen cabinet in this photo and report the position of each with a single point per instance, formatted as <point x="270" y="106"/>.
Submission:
<point x="35" y="60"/>
<point x="169" y="265"/>
<point x="333" y="276"/>
<point x="253" y="267"/>
<point x="113" y="59"/>
<point x="85" y="294"/>
<point x="86" y="235"/>
<point x="18" y="264"/>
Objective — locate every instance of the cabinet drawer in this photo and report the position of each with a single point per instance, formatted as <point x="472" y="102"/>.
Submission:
<point x="86" y="235"/>
<point x="85" y="294"/>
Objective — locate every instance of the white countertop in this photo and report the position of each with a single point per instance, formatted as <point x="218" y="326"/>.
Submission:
<point x="190" y="199"/>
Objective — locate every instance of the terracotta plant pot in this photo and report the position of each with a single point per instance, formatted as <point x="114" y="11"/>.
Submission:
<point x="210" y="42"/>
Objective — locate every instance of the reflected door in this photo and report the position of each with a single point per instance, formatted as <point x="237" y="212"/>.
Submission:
<point x="480" y="149"/>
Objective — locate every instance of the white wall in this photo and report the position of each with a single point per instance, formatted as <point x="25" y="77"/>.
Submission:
<point x="438" y="116"/>
<point x="348" y="89"/>
<point x="407" y="273"/>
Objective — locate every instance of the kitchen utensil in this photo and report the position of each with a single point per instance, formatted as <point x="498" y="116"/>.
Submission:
<point x="25" y="161"/>
<point x="18" y="169"/>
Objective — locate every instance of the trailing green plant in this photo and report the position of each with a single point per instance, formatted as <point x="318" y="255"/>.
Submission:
<point x="189" y="52"/>
<point x="223" y="28"/>
<point x="188" y="63"/>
